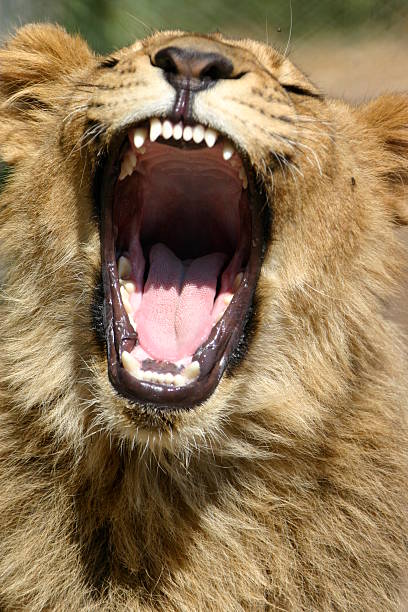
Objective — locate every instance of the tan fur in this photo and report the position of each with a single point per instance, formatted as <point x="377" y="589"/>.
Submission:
<point x="287" y="489"/>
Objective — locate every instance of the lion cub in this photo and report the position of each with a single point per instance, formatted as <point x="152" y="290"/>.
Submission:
<point x="202" y="404"/>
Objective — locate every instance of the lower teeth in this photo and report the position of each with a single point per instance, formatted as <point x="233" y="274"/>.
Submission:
<point x="188" y="375"/>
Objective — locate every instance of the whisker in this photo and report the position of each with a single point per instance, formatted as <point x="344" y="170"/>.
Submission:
<point x="142" y="23"/>
<point x="290" y="29"/>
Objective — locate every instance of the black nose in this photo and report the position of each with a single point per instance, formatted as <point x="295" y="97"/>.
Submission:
<point x="195" y="68"/>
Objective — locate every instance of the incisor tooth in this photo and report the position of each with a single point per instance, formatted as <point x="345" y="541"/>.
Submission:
<point x="177" y="131"/>
<point x="210" y="137"/>
<point x="168" y="378"/>
<point x="155" y="129"/>
<point x="228" y="151"/>
<point x="192" y="371"/>
<point x="167" y="130"/>
<point x="139" y="137"/>
<point x="124" y="267"/>
<point x="198" y="134"/>
<point x="129" y="363"/>
<point x="187" y="133"/>
<point x="179" y="380"/>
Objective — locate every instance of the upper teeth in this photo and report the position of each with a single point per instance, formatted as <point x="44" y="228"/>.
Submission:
<point x="178" y="131"/>
<point x="139" y="137"/>
<point x="187" y="133"/>
<point x="228" y="151"/>
<point x="155" y="129"/>
<point x="198" y="134"/>
<point x="128" y="164"/>
<point x="166" y="129"/>
<point x="210" y="137"/>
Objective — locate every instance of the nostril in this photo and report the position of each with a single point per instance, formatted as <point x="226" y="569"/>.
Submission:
<point x="164" y="60"/>
<point x="216" y="70"/>
<point x="191" y="63"/>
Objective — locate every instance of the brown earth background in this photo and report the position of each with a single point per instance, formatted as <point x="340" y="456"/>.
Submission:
<point x="359" y="70"/>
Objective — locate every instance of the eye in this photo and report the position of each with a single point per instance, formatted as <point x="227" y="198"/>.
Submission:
<point x="5" y="171"/>
<point x="300" y="91"/>
<point x="109" y="62"/>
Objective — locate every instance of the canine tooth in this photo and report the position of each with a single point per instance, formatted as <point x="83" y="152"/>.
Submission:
<point x="220" y="315"/>
<point x="167" y="129"/>
<point x="124" y="267"/>
<point x="128" y="285"/>
<point x="132" y="322"/>
<point x="243" y="177"/>
<point x="177" y="131"/>
<point x="129" y="363"/>
<point x="192" y="371"/>
<point x="198" y="134"/>
<point x="228" y="298"/>
<point x="123" y="173"/>
<point x="179" y="380"/>
<point x="210" y="137"/>
<point x="187" y="133"/>
<point x="129" y="162"/>
<point x="228" y="151"/>
<point x="125" y="300"/>
<point x="169" y="378"/>
<point x="237" y="281"/>
<point x="139" y="137"/>
<point x="155" y="129"/>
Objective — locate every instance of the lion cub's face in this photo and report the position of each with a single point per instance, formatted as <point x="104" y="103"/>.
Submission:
<point x="188" y="122"/>
<point x="221" y="190"/>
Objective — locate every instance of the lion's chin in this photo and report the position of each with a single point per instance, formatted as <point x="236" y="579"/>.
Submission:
<point x="182" y="243"/>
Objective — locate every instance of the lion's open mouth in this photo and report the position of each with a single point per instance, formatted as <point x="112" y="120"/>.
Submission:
<point x="182" y="244"/>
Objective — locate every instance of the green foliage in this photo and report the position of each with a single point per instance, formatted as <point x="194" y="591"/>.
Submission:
<point x="108" y="24"/>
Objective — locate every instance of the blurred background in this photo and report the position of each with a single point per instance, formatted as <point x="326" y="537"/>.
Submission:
<point x="354" y="49"/>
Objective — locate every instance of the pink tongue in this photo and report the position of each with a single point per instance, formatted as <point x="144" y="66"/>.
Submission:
<point x="175" y="315"/>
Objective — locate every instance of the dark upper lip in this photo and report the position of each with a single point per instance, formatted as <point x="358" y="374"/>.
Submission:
<point x="215" y="353"/>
